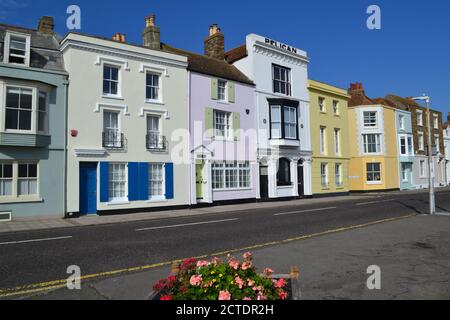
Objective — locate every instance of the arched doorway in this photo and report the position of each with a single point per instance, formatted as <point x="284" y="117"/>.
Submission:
<point x="301" y="185"/>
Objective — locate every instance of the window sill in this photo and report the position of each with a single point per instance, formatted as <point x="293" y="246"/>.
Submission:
<point x="105" y="96"/>
<point x="237" y="189"/>
<point x="285" y="186"/>
<point x="158" y="102"/>
<point x="224" y="102"/>
<point x="157" y="200"/>
<point x="374" y="183"/>
<point x="226" y="139"/>
<point x="11" y="200"/>
<point x="118" y="202"/>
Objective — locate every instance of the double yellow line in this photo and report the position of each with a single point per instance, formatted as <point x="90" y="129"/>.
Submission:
<point x="58" y="284"/>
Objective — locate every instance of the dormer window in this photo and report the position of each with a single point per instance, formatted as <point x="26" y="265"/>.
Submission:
<point x="17" y="49"/>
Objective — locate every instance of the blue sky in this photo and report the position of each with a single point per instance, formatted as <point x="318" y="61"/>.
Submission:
<point x="410" y="55"/>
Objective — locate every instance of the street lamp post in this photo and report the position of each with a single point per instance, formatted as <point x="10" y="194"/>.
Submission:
<point x="430" y="156"/>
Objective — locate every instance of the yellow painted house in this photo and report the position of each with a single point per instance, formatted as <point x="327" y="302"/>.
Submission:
<point x="374" y="162"/>
<point x="329" y="138"/>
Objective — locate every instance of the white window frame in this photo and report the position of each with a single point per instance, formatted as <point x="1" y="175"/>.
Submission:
<point x="435" y="121"/>
<point x="404" y="173"/>
<point x="378" y="144"/>
<point x="421" y="141"/>
<point x="162" y="196"/>
<point x="159" y="132"/>
<point x="7" y="46"/>
<point x="338" y="174"/>
<point x="437" y="143"/>
<point x="369" y="123"/>
<point x="119" y="80"/>
<point x="157" y="88"/>
<point x="4" y="180"/>
<point x="420" y="118"/>
<point x="34" y="106"/>
<point x="336" y="107"/>
<point x="236" y="168"/>
<point x="45" y="112"/>
<point x="225" y="90"/>
<point x="290" y="124"/>
<point x="402" y="122"/>
<point x="324" y="181"/>
<point x="118" y="129"/>
<point x="403" y="138"/>
<point x="286" y="83"/>
<point x="15" y="197"/>
<point x="337" y="141"/>
<point x="125" y="197"/>
<point x="273" y="109"/>
<point x="423" y="168"/>
<point x="323" y="140"/>
<point x="374" y="172"/>
<point x="228" y="125"/>
<point x="322" y="104"/>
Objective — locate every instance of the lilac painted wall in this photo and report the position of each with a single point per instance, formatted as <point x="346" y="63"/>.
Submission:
<point x="242" y="150"/>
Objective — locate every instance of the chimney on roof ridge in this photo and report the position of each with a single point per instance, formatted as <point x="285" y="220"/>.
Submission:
<point x="152" y="33"/>
<point x="215" y="43"/>
<point x="119" y="37"/>
<point x="46" y="25"/>
<point x="356" y="88"/>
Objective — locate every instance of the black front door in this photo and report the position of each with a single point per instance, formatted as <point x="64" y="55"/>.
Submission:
<point x="301" y="187"/>
<point x="264" y="182"/>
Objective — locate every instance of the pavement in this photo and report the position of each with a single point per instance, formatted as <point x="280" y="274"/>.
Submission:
<point x="413" y="254"/>
<point x="52" y="222"/>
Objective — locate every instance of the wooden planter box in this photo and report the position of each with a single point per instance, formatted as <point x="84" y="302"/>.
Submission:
<point x="293" y="285"/>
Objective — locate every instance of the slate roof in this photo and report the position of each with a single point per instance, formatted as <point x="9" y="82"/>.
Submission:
<point x="44" y="51"/>
<point x="210" y="66"/>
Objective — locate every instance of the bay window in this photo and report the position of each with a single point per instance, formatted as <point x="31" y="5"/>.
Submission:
<point x="25" y="110"/>
<point x="231" y="175"/>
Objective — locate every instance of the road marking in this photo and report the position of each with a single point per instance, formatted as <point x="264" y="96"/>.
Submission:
<point x="35" y="240"/>
<point x="374" y="202"/>
<point x="52" y="285"/>
<point x="187" y="224"/>
<point x="303" y="211"/>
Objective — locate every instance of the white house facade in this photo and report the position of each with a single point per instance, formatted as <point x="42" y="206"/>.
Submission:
<point x="447" y="148"/>
<point x="127" y="120"/>
<point x="280" y="73"/>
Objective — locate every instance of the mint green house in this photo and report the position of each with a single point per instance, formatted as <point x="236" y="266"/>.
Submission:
<point x="33" y="87"/>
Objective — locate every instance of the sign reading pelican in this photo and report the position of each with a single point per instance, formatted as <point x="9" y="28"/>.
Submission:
<point x="281" y="45"/>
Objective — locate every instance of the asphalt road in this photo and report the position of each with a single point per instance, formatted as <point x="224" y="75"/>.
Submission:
<point x="40" y="256"/>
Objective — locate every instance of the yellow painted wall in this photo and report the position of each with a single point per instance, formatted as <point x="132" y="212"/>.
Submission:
<point x="331" y="121"/>
<point x="388" y="161"/>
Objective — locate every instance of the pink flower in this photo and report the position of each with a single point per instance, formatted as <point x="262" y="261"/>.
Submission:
<point x="268" y="272"/>
<point x="202" y="263"/>
<point x="247" y="255"/>
<point x="239" y="282"/>
<point x="250" y="282"/>
<point x="224" y="295"/>
<point x="166" y="298"/>
<point x="196" y="280"/>
<point x="246" y="299"/>
<point x="259" y="288"/>
<point x="234" y="264"/>
<point x="283" y="295"/>
<point x="280" y="283"/>
<point x="216" y="261"/>
<point x="261" y="297"/>
<point x="246" y="265"/>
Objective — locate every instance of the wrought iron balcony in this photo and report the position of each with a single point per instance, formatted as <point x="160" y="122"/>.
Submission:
<point x="155" y="142"/>
<point x="113" y="140"/>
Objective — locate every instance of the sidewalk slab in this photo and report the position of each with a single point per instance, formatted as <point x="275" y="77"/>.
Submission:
<point x="413" y="254"/>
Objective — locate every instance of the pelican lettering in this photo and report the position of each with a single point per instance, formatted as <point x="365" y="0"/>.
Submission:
<point x="281" y="45"/>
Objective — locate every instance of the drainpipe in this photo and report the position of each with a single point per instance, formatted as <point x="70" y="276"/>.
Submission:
<point x="66" y="92"/>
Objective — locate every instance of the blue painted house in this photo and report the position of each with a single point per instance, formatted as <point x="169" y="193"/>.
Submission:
<point x="405" y="144"/>
<point x="33" y="85"/>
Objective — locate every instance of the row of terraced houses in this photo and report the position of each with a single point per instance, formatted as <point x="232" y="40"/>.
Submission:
<point x="92" y="125"/>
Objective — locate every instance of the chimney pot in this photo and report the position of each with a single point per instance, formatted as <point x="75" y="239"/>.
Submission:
<point x="119" y="37"/>
<point x="46" y="25"/>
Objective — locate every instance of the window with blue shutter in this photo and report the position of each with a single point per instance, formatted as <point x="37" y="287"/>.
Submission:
<point x="169" y="180"/>
<point x="104" y="185"/>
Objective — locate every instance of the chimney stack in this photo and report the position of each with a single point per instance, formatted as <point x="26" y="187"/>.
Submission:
<point x="46" y="25"/>
<point x="356" y="88"/>
<point x="119" y="37"/>
<point x="215" y="43"/>
<point x="152" y="33"/>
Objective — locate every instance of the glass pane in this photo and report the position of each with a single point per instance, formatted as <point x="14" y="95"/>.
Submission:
<point x="12" y="98"/>
<point x="32" y="170"/>
<point x="25" y="120"/>
<point x="114" y="74"/>
<point x="106" y="72"/>
<point x="32" y="187"/>
<point x="276" y="114"/>
<point x="12" y="117"/>
<point x="26" y="98"/>
<point x="113" y="88"/>
<point x="17" y="44"/>
<point x="106" y="88"/>
<point x="42" y="101"/>
<point x="42" y="121"/>
<point x="23" y="187"/>
<point x="23" y="170"/>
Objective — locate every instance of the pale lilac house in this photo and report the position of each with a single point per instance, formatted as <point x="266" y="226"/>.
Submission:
<point x="222" y="122"/>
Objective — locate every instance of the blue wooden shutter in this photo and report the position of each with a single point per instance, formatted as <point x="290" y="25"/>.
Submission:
<point x="143" y="181"/>
<point x="104" y="184"/>
<point x="133" y="180"/>
<point x="169" y="180"/>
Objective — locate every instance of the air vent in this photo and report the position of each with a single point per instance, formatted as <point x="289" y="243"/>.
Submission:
<point x="5" y="216"/>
